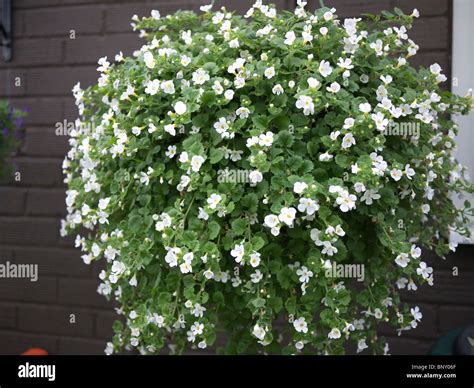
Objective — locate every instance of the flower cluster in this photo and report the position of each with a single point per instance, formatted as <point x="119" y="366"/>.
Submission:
<point x="11" y="121"/>
<point x="301" y="101"/>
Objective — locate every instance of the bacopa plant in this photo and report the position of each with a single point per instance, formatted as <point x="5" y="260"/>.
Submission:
<point x="236" y="167"/>
<point x="11" y="122"/>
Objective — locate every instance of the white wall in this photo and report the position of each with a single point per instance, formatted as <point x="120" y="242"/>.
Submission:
<point x="463" y="80"/>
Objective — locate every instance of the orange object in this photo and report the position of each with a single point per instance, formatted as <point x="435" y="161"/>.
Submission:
<point x="35" y="352"/>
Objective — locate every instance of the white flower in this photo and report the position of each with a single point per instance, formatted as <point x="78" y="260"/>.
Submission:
<point x="326" y="157"/>
<point x="184" y="157"/>
<point x="259" y="332"/>
<point x="186" y="268"/>
<point x="402" y="260"/>
<point x="409" y="172"/>
<point x="149" y="60"/>
<point x="300" y="325"/>
<point x="290" y="38"/>
<point x="152" y="87"/>
<point x="365" y="108"/>
<point x="304" y="274"/>
<point x="255" y="177"/>
<point x="103" y="203"/>
<point x="180" y="108"/>
<point x="416" y="313"/>
<point x="325" y="68"/>
<point x="328" y="249"/>
<point x="185" y="60"/>
<point x="200" y="76"/>
<point x="271" y="220"/>
<point x="238" y="252"/>
<point x="270" y="72"/>
<point x="334" y="334"/>
<point x="348" y="140"/>
<point x="424" y="270"/>
<point x="396" y="174"/>
<point x="214" y="200"/>
<point x="171" y="152"/>
<point x="170" y="129"/>
<point x="313" y="83"/>
<point x="287" y="215"/>
<point x="401" y="283"/>
<point x="202" y="214"/>
<point x="369" y="197"/>
<point x="334" y="87"/>
<point x="380" y="121"/>
<point x="229" y="94"/>
<point x="196" y="162"/>
<point x="217" y="87"/>
<point x="299" y="187"/>
<point x="242" y="112"/>
<point x="278" y="89"/>
<point x="155" y="14"/>
<point x="308" y="205"/>
<point x="415" y="251"/>
<point x="221" y="126"/>
<point x="168" y="87"/>
<point x="305" y="103"/>
<point x="255" y="259"/>
<point x="256" y="277"/>
<point x="265" y="139"/>
<point x="346" y="201"/>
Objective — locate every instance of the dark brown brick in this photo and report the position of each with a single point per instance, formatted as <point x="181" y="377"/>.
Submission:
<point x="7" y="316"/>
<point x="425" y="7"/>
<point x="453" y="317"/>
<point x="54" y="261"/>
<point x="41" y="111"/>
<point x="60" y="20"/>
<point x="426" y="59"/>
<point x="89" y="49"/>
<point x="45" y="202"/>
<point x="24" y="290"/>
<point x="33" y="52"/>
<point x="43" y="141"/>
<point x="104" y="323"/>
<point x="20" y="230"/>
<point x="44" y="81"/>
<point x="55" y="320"/>
<point x="12" y="201"/>
<point x="80" y="346"/>
<point x="14" y="343"/>
<point x="19" y="4"/>
<point x="431" y="33"/>
<point x="81" y="292"/>
<point x="405" y="346"/>
<point x="39" y="172"/>
<point x="447" y="289"/>
<point x="13" y="82"/>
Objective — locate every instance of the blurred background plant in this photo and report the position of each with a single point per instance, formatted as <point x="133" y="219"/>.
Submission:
<point x="11" y="123"/>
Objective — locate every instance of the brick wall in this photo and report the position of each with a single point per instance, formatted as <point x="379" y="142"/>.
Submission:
<point x="49" y="64"/>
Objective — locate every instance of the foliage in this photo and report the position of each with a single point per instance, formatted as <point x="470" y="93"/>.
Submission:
<point x="303" y="103"/>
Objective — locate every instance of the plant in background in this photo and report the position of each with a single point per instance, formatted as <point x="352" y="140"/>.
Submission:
<point x="11" y="121"/>
<point x="313" y="108"/>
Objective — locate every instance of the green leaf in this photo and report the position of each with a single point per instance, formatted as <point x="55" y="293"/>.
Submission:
<point x="239" y="226"/>
<point x="216" y="155"/>
<point x="214" y="229"/>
